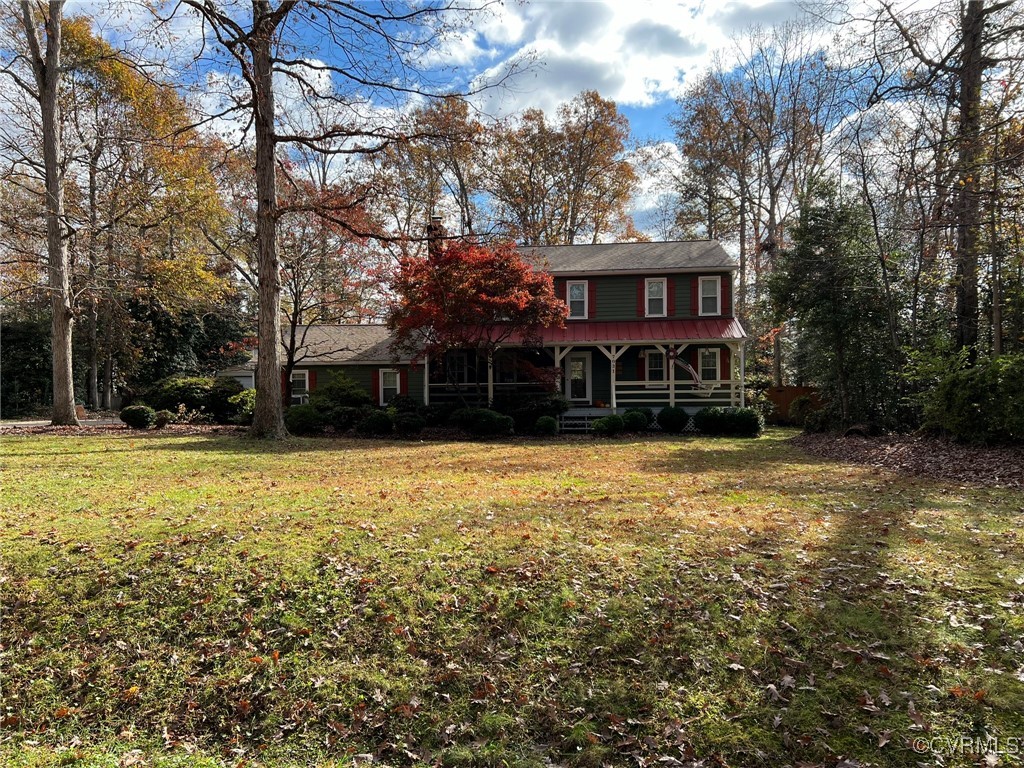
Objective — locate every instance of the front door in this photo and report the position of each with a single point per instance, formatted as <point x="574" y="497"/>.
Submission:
<point x="578" y="377"/>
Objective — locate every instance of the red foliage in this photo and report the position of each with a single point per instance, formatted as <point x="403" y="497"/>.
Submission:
<point x="470" y="296"/>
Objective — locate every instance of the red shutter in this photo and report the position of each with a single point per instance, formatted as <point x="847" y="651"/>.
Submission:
<point x="695" y="296"/>
<point x="670" y="302"/>
<point x="375" y="385"/>
<point x="724" y="360"/>
<point x="403" y="381"/>
<point x="591" y="300"/>
<point x="641" y="298"/>
<point x="726" y="294"/>
<point x="311" y="386"/>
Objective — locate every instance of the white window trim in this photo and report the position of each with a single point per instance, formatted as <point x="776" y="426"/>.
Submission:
<point x="718" y="362"/>
<point x="661" y="383"/>
<point x="380" y="382"/>
<point x="586" y="299"/>
<point x="664" y="296"/>
<point x="303" y="396"/>
<point x="718" y="296"/>
<point x="590" y="377"/>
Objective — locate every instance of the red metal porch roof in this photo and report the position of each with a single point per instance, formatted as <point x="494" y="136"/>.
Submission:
<point x="703" y="329"/>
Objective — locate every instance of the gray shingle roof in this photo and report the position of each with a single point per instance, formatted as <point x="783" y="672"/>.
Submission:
<point x="671" y="256"/>
<point x="336" y="345"/>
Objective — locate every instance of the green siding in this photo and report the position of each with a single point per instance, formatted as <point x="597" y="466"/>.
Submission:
<point x="364" y="376"/>
<point x="615" y="296"/>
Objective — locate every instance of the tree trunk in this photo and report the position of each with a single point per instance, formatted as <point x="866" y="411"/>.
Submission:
<point x="969" y="153"/>
<point x="46" y="66"/>
<point x="268" y="418"/>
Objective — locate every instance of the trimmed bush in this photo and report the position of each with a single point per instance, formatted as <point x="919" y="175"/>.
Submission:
<point x="437" y="414"/>
<point x="343" y="418"/>
<point x="303" y="420"/>
<point x="409" y="424"/>
<point x="376" y="424"/>
<point x="608" y="426"/>
<point x="635" y="421"/>
<point x="546" y="426"/>
<point x="728" y="422"/>
<point x="983" y="404"/>
<point x="163" y="418"/>
<point x="138" y="416"/>
<point x="244" y="403"/>
<point x="404" y="404"/>
<point x="200" y="394"/>
<point x="339" y="391"/>
<point x="801" y="406"/>
<point x="526" y="409"/>
<point x="647" y="413"/>
<point x="673" y="420"/>
<point x="482" y="422"/>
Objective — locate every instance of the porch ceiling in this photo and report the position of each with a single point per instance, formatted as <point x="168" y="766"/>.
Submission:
<point x="650" y="331"/>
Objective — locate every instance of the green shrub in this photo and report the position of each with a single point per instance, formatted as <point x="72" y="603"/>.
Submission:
<point x="138" y="416"/>
<point x="342" y="418"/>
<point x="376" y="424"/>
<point x="244" y="404"/>
<point x="163" y="418"/>
<point x="482" y="422"/>
<point x="608" y="426"/>
<point x="728" y="422"/>
<point x="635" y="421"/>
<point x="303" y="420"/>
<point x="983" y="404"/>
<point x="673" y="420"/>
<point x="200" y="394"/>
<point x="547" y="426"/>
<point x="526" y="409"/>
<point x="820" y="421"/>
<point x="437" y="414"/>
<point x="404" y="404"/>
<point x="339" y="391"/>
<point x="409" y="424"/>
<point x="801" y="406"/>
<point x="647" y="413"/>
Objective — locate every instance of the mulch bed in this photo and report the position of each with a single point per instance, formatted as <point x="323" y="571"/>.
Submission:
<point x="997" y="466"/>
<point x="88" y="430"/>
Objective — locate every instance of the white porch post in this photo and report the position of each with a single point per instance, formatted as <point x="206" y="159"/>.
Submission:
<point x="490" y="379"/>
<point x="558" y="364"/>
<point x="613" y="362"/>
<point x="426" y="380"/>
<point x="743" y="375"/>
<point x="671" y="363"/>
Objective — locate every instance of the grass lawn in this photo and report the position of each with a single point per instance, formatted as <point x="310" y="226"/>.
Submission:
<point x="209" y="600"/>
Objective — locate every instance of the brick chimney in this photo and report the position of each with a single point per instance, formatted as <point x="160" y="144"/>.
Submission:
<point x="436" y="234"/>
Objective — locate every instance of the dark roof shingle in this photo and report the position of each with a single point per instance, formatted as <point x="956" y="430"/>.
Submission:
<point x="671" y="256"/>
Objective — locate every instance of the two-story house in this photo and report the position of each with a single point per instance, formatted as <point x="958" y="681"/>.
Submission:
<point x="649" y="324"/>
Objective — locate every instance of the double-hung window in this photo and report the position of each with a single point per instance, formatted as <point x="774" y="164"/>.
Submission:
<point x="656" y="295"/>
<point x="300" y="387"/>
<point x="710" y="296"/>
<point x="656" y="368"/>
<point x="457" y="367"/>
<point x="709" y="364"/>
<point x="576" y="298"/>
<point x="389" y="385"/>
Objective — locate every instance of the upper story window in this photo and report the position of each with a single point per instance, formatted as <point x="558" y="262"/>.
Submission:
<point x="656" y="297"/>
<point x="300" y="387"/>
<point x="710" y="296"/>
<point x="576" y="298"/>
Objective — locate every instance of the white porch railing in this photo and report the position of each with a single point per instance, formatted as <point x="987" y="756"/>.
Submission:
<point x="633" y="394"/>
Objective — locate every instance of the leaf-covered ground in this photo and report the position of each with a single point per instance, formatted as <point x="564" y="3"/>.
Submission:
<point x="200" y="600"/>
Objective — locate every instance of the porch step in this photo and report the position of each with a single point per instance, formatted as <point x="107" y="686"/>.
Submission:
<point x="579" y="421"/>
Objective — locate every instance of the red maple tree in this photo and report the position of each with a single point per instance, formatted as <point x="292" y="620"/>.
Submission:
<point x="471" y="296"/>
